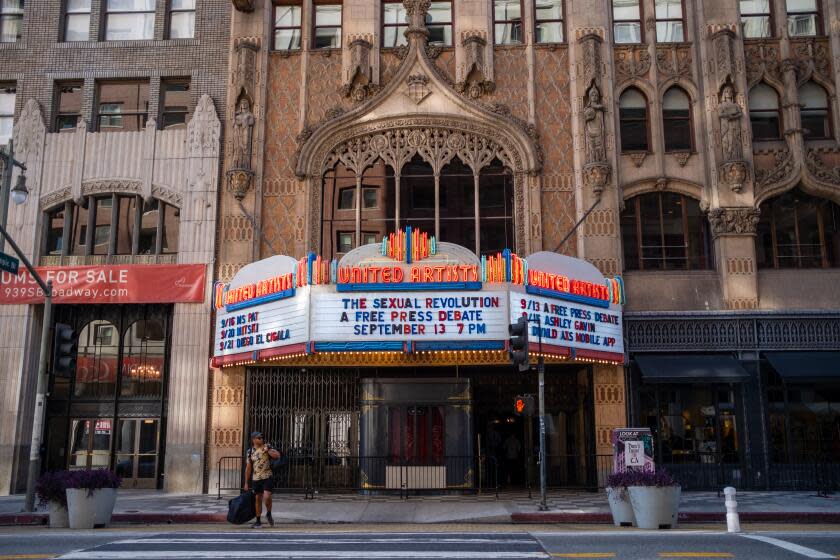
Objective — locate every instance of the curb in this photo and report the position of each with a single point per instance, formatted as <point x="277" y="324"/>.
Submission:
<point x="685" y="517"/>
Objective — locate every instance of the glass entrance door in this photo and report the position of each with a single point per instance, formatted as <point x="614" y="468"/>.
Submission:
<point x="417" y="435"/>
<point x="137" y="452"/>
<point x="90" y="445"/>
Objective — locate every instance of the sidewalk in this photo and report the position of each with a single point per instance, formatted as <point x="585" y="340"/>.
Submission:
<point x="146" y="506"/>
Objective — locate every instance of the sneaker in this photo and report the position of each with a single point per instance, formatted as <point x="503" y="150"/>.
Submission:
<point x="256" y="524"/>
<point x="270" y="519"/>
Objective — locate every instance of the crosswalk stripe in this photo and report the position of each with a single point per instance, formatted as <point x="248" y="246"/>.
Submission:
<point x="288" y="554"/>
<point x="696" y="555"/>
<point x="583" y="554"/>
<point x="280" y="540"/>
<point x="803" y="550"/>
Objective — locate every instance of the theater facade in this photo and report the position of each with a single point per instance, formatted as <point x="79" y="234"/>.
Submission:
<point x="688" y="148"/>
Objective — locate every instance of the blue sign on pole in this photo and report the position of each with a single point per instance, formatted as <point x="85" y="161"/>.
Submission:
<point x="9" y="263"/>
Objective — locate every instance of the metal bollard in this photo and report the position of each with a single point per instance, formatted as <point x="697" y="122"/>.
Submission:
<point x="733" y="521"/>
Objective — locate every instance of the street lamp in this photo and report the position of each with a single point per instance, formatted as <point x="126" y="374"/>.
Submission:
<point x="20" y="193"/>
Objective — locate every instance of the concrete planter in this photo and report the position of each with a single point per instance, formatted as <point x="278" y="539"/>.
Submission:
<point x="81" y="508"/>
<point x="106" y="499"/>
<point x="58" y="516"/>
<point x="620" y="507"/>
<point x="655" y="507"/>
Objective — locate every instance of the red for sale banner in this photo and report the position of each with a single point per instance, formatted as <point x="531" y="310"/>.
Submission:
<point x="134" y="283"/>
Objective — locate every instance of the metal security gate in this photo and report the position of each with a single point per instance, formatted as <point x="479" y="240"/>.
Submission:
<point x="311" y="415"/>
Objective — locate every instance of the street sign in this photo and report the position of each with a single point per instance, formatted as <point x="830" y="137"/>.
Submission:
<point x="9" y="263"/>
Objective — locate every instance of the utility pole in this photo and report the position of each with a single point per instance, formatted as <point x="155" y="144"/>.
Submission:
<point x="19" y="195"/>
<point x="541" y="412"/>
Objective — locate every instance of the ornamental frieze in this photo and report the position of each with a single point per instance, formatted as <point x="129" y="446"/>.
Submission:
<point x="631" y="61"/>
<point x="733" y="221"/>
<point x="673" y="61"/>
<point x="784" y="166"/>
<point x="812" y="58"/>
<point x="762" y="61"/>
<point x="820" y="170"/>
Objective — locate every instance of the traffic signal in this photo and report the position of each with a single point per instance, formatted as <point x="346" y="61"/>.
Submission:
<point x="519" y="343"/>
<point x="65" y="348"/>
<point x="523" y="405"/>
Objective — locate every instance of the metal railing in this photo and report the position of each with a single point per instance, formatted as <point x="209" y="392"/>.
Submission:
<point x="327" y="472"/>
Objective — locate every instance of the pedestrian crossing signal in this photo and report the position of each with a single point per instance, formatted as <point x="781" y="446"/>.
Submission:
<point x="523" y="405"/>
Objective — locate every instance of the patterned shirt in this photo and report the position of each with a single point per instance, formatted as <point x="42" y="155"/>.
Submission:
<point x="260" y="462"/>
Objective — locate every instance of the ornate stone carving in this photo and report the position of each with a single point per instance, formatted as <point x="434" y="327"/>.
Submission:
<point x="245" y="73"/>
<point x="734" y="174"/>
<point x="729" y="115"/>
<point x="203" y="129"/>
<point x="401" y="51"/>
<point x="474" y="73"/>
<point x="417" y="88"/>
<point x="101" y="186"/>
<point x="49" y="200"/>
<point x="596" y="176"/>
<point x="591" y="69"/>
<point x="724" y="55"/>
<point x="359" y="82"/>
<point x="673" y="61"/>
<point x="631" y="61"/>
<point x="244" y="5"/>
<point x="240" y="173"/>
<point x="595" y="133"/>
<point x="783" y="167"/>
<point x="168" y="195"/>
<point x="733" y="221"/>
<point x="681" y="157"/>
<point x="433" y="51"/>
<point x="811" y="57"/>
<point x="415" y="11"/>
<point x="820" y="170"/>
<point x="29" y="133"/>
<point x="762" y="60"/>
<point x="596" y="169"/>
<point x="638" y="158"/>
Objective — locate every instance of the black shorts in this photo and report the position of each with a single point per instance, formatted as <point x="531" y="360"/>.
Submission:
<point x="265" y="485"/>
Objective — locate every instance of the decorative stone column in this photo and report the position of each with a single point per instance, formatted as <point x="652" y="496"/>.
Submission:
<point x="733" y="230"/>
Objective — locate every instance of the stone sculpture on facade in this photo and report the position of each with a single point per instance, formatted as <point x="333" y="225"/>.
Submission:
<point x="733" y="221"/>
<point x="733" y="168"/>
<point x="360" y="82"/>
<point x="474" y="72"/>
<point x="596" y="169"/>
<point x="241" y="173"/>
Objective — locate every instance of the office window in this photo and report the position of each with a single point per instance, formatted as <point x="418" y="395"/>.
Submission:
<point x="175" y="103"/>
<point x="327" y="26"/>
<point x="797" y="230"/>
<point x="394" y="24"/>
<point x="670" y="27"/>
<point x="814" y="111"/>
<point x="11" y="18"/>
<point x="130" y="20"/>
<point x="69" y="106"/>
<point x="627" y="21"/>
<point x="676" y="120"/>
<point x="803" y="18"/>
<point x="549" y="21"/>
<point x="55" y="231"/>
<point x="7" y="112"/>
<point x="77" y="20"/>
<point x="439" y="23"/>
<point x="344" y="243"/>
<point x="665" y="231"/>
<point x="633" y="121"/>
<point x="287" y="27"/>
<point x="765" y="118"/>
<point x="123" y="106"/>
<point x="507" y="22"/>
<point x="182" y="19"/>
<point x="756" y="19"/>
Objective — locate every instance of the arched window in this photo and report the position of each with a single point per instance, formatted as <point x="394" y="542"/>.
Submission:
<point x="765" y="119"/>
<point x="416" y="198"/>
<point x="676" y="120"/>
<point x="664" y="231"/>
<point x="144" y="343"/>
<point x="96" y="363"/>
<point x="632" y="115"/>
<point x="814" y="111"/>
<point x="797" y="230"/>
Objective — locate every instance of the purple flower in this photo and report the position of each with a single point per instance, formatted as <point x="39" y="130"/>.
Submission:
<point x="639" y="478"/>
<point x="52" y="487"/>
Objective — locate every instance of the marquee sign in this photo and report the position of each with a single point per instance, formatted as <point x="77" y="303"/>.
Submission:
<point x="411" y="293"/>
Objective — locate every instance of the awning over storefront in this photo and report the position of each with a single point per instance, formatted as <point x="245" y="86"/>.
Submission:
<point x="688" y="368"/>
<point x="805" y="366"/>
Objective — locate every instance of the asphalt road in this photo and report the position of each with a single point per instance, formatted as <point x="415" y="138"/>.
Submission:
<point x="487" y="543"/>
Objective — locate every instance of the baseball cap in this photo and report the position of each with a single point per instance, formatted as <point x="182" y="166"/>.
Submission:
<point x="257" y="435"/>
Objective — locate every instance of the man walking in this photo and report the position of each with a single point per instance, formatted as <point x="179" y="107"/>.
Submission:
<point x="258" y="469"/>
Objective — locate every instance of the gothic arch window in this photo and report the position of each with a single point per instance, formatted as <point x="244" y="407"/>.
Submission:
<point x="814" y="111"/>
<point x="765" y="117"/>
<point x="676" y="120"/>
<point x="96" y="362"/>
<point x="456" y="205"/>
<point x="797" y="230"/>
<point x="144" y="344"/>
<point x="665" y="231"/>
<point x="112" y="225"/>
<point x="633" y="121"/>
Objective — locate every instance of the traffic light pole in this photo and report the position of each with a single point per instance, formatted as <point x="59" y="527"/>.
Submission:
<point x="41" y="392"/>
<point x="541" y="375"/>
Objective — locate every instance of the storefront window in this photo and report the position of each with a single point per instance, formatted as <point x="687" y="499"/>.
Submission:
<point x="692" y="423"/>
<point x="96" y="364"/>
<point x="143" y="357"/>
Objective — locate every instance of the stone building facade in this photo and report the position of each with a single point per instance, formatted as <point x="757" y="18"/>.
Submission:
<point x="117" y="116"/>
<point x="673" y="130"/>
